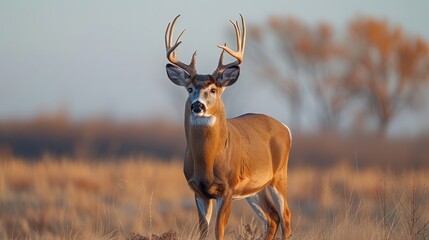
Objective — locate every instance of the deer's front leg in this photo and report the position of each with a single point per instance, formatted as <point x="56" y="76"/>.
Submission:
<point x="223" y="211"/>
<point x="204" y="206"/>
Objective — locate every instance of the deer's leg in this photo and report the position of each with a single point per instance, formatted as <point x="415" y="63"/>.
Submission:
<point x="266" y="212"/>
<point x="278" y="194"/>
<point x="205" y="208"/>
<point x="224" y="204"/>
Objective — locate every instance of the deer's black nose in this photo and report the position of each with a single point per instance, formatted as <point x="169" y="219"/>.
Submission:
<point x="198" y="107"/>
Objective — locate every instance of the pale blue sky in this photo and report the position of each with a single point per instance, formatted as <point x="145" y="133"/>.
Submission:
<point x="107" y="57"/>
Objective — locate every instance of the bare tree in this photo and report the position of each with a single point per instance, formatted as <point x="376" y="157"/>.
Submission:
<point x="386" y="68"/>
<point x="372" y="72"/>
<point x="305" y="69"/>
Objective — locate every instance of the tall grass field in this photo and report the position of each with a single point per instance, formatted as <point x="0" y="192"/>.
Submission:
<point x="143" y="198"/>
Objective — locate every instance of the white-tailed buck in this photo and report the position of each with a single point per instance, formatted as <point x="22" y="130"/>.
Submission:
<point x="227" y="159"/>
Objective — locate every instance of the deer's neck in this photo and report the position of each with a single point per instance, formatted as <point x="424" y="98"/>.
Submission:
<point x="206" y="138"/>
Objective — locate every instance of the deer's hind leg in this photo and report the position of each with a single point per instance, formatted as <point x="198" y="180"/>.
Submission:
<point x="266" y="211"/>
<point x="278" y="194"/>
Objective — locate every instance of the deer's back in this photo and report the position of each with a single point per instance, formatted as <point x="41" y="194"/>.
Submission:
<point x="260" y="138"/>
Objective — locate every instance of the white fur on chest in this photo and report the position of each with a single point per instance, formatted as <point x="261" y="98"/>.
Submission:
<point x="203" y="120"/>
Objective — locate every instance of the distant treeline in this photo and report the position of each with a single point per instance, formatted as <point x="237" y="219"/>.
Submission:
<point x="328" y="149"/>
<point x="99" y="139"/>
<point x="92" y="139"/>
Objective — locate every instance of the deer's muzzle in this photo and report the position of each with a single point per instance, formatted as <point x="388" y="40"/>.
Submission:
<point x="198" y="107"/>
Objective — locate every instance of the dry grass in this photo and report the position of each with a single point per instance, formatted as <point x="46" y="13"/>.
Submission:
<point x="137" y="198"/>
<point x="74" y="200"/>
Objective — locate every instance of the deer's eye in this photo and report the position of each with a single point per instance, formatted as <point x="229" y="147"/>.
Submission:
<point x="213" y="90"/>
<point x="190" y="90"/>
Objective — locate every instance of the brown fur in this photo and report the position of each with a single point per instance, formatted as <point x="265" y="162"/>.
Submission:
<point x="237" y="157"/>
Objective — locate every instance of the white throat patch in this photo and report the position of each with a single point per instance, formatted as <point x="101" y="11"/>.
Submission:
<point x="203" y="120"/>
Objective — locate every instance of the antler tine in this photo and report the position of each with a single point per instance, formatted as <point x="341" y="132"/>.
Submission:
<point x="171" y="49"/>
<point x="165" y="37"/>
<point x="241" y="43"/>
<point x="243" y="36"/>
<point x="220" y="64"/>
<point x="169" y="33"/>
<point x="237" y="33"/>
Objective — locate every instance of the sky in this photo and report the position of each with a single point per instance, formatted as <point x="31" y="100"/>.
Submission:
<point x="107" y="58"/>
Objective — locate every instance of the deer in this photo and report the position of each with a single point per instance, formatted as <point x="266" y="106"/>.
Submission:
<point x="229" y="159"/>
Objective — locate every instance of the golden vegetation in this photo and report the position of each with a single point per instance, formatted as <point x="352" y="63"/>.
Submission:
<point x="73" y="200"/>
<point x="138" y="197"/>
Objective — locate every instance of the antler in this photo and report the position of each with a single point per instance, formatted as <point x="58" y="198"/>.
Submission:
<point x="171" y="49"/>
<point x="241" y="43"/>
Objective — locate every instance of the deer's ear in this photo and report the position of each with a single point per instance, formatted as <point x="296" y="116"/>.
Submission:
<point x="229" y="76"/>
<point x="177" y="75"/>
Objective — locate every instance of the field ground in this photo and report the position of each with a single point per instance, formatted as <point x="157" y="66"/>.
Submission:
<point x="136" y="197"/>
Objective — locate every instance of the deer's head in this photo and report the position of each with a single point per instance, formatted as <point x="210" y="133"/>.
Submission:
<point x="204" y="90"/>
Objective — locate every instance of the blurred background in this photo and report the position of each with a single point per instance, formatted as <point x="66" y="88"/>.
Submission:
<point x="93" y="73"/>
<point x="85" y="81"/>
